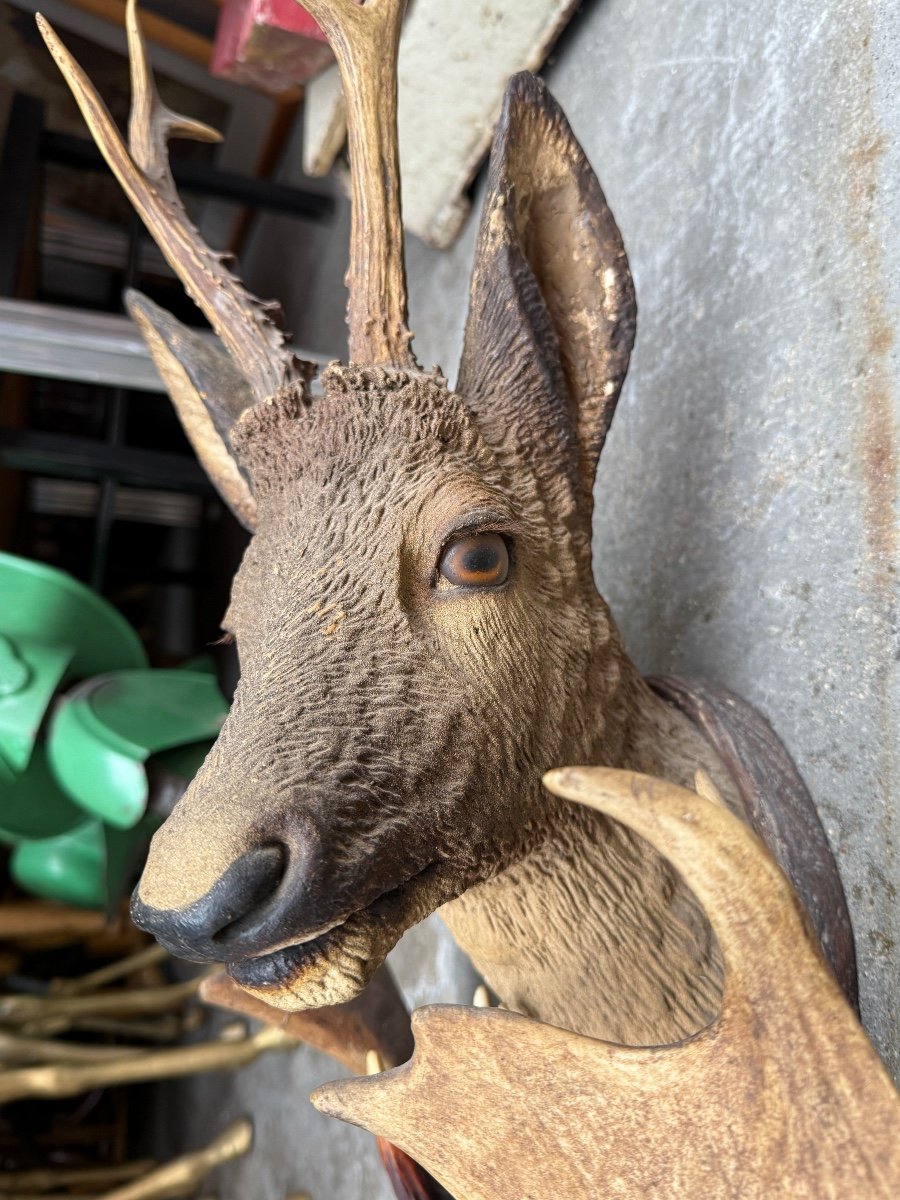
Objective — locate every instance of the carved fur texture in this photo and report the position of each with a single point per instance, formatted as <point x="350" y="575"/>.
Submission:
<point x="393" y="737"/>
<point x="384" y="753"/>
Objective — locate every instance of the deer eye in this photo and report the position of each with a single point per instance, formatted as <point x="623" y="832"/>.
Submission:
<point x="475" y="560"/>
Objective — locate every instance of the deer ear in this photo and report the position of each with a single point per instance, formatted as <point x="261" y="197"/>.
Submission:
<point x="552" y="311"/>
<point x="209" y="394"/>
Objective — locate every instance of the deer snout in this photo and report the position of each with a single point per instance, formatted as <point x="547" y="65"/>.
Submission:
<point x="242" y="914"/>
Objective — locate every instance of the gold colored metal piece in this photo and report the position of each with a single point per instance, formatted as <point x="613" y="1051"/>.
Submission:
<point x="147" y="957"/>
<point x="55" y="1178"/>
<point x="17" y="1010"/>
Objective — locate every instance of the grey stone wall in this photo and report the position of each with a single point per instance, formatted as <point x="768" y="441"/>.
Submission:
<point x="747" y="524"/>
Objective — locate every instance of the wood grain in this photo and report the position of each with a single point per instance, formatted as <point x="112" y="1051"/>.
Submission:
<point x="365" y="41"/>
<point x="783" y="1096"/>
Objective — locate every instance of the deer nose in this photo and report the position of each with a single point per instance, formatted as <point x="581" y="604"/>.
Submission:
<point x="232" y="920"/>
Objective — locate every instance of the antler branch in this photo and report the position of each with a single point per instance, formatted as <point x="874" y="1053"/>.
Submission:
<point x="365" y="41"/>
<point x="245" y="324"/>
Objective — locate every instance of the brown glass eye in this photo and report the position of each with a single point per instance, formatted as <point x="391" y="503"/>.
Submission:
<point x="475" y="560"/>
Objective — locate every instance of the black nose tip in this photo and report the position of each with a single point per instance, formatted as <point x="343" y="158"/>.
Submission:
<point x="231" y="915"/>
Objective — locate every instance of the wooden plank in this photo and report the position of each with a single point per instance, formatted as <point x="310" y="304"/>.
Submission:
<point x="68" y="343"/>
<point x="165" y="33"/>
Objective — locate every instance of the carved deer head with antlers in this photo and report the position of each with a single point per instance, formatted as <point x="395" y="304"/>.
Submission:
<point x="419" y="632"/>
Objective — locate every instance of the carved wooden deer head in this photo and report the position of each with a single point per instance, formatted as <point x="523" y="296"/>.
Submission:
<point x="419" y="631"/>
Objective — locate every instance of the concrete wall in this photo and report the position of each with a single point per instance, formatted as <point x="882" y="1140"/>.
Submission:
<point x="747" y="522"/>
<point x="747" y="500"/>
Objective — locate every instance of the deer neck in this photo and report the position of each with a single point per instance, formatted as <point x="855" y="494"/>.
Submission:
<point x="593" y="930"/>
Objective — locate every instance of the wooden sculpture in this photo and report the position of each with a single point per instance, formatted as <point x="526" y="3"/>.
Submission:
<point x="781" y="1097"/>
<point x="419" y="630"/>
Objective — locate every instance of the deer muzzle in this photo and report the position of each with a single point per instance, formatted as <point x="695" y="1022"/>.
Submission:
<point x="280" y="923"/>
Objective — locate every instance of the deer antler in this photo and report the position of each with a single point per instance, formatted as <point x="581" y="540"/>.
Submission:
<point x="365" y="40"/>
<point x="782" y="1096"/>
<point x="245" y="324"/>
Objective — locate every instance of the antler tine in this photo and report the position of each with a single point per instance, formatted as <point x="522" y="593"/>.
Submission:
<point x="151" y="123"/>
<point x="365" y="39"/>
<point x="245" y="324"/>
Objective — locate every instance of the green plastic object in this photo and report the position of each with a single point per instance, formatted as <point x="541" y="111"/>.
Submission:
<point x="105" y="730"/>
<point x="32" y="805"/>
<point x="30" y="672"/>
<point x="183" y="761"/>
<point x="39" y="603"/>
<point x="90" y="866"/>
<point x="51" y="626"/>
<point x="73" y="805"/>
<point x="69" y="868"/>
<point x="204" y="663"/>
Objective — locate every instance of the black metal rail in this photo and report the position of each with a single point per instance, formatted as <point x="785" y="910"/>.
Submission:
<point x="199" y="178"/>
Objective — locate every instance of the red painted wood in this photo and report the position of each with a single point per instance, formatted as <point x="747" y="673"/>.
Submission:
<point x="269" y="44"/>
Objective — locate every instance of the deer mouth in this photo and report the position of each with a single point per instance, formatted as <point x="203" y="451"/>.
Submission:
<point x="350" y="948"/>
